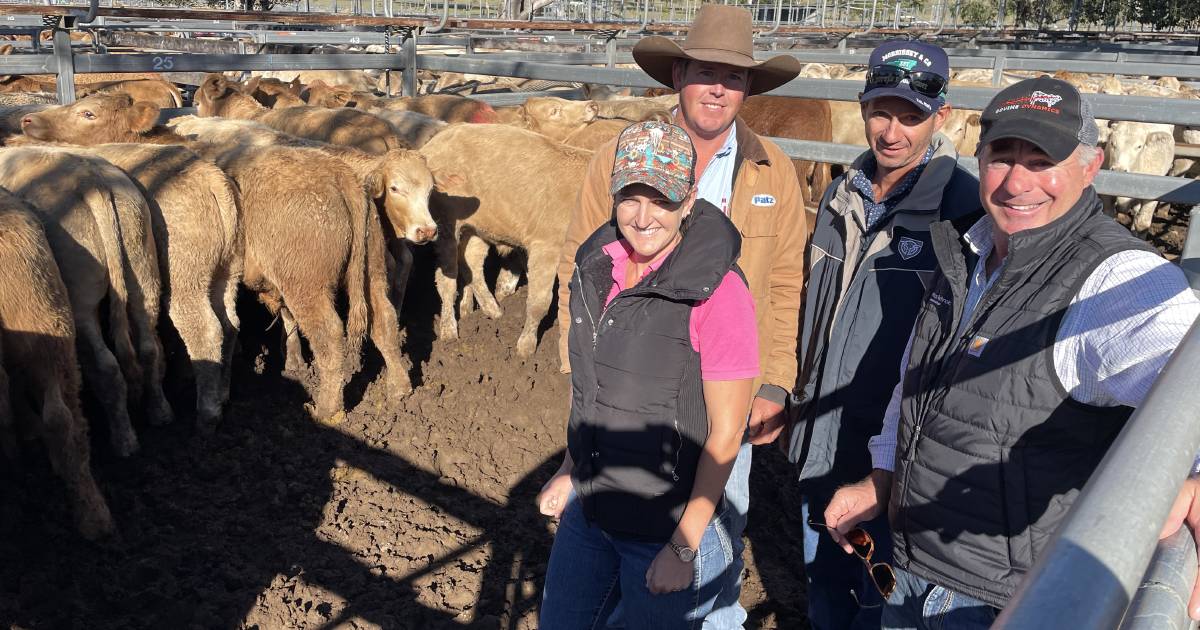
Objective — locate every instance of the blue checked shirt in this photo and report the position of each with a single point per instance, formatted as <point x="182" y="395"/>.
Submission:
<point x="874" y="210"/>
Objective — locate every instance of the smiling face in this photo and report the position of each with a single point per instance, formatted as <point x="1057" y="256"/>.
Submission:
<point x="649" y="222"/>
<point x="710" y="95"/>
<point x="1022" y="188"/>
<point x="898" y="132"/>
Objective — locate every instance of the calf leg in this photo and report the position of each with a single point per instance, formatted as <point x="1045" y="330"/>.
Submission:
<point x="446" y="279"/>
<point x="223" y="297"/>
<point x="543" y="261"/>
<point x="150" y="354"/>
<point x="103" y="374"/>
<point x="8" y="427"/>
<point x="510" y="272"/>
<point x="318" y="320"/>
<point x="400" y="265"/>
<point x="1143" y="215"/>
<point x="202" y="334"/>
<point x="475" y="254"/>
<point x="385" y="326"/>
<point x="66" y="440"/>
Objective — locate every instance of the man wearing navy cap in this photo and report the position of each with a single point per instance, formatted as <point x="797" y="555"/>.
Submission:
<point x="1044" y="326"/>
<point x="869" y="260"/>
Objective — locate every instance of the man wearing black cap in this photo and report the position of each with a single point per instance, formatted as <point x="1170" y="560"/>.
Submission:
<point x="1043" y="328"/>
<point x="868" y="264"/>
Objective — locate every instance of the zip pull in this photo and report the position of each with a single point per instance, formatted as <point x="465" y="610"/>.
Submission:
<point x="912" y="445"/>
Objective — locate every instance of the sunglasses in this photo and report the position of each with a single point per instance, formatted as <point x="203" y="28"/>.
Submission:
<point x="928" y="84"/>
<point x="864" y="547"/>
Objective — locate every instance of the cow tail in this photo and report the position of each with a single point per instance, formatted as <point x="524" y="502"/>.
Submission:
<point x="358" y="317"/>
<point x="108" y="228"/>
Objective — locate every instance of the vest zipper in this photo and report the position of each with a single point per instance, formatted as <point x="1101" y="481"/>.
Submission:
<point x="591" y="320"/>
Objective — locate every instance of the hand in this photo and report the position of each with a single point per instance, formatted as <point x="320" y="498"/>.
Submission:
<point x="766" y="421"/>
<point x="668" y="574"/>
<point x="856" y="503"/>
<point x="553" y="497"/>
<point x="1187" y="510"/>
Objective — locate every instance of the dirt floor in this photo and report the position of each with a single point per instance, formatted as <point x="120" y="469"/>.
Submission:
<point x="418" y="517"/>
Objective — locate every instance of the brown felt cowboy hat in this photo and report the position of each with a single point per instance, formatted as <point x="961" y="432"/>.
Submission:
<point x="719" y="34"/>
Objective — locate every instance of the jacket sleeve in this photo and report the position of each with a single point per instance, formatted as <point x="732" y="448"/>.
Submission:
<point x="592" y="209"/>
<point x="786" y="277"/>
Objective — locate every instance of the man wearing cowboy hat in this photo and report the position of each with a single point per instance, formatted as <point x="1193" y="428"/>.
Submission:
<point x="752" y="181"/>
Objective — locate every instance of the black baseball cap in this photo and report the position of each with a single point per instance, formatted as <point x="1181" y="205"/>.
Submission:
<point x="914" y="57"/>
<point x="1046" y="112"/>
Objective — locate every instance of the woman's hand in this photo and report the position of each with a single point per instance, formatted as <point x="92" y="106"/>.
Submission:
<point x="553" y="497"/>
<point x="668" y="573"/>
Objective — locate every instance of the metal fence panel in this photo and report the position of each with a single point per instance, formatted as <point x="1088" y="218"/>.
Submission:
<point x="1161" y="600"/>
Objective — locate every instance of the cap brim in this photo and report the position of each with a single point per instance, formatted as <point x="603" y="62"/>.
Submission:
<point x="656" y="55"/>
<point x="924" y="103"/>
<point x="1058" y="143"/>
<point x="672" y="188"/>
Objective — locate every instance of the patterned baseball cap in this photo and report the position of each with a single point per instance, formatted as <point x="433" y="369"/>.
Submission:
<point x="1047" y="112"/>
<point x="657" y="154"/>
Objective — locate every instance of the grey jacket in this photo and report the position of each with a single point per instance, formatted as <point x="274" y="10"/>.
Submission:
<point x="864" y="290"/>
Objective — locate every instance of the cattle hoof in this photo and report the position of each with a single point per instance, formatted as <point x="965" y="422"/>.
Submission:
<point x="96" y="524"/>
<point x="448" y="331"/>
<point x="493" y="310"/>
<point x="526" y="345"/>
<point x="333" y="420"/>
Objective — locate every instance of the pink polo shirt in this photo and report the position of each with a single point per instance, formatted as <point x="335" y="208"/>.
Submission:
<point x="723" y="328"/>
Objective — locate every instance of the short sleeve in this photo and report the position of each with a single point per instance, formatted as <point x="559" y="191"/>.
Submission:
<point x="724" y="331"/>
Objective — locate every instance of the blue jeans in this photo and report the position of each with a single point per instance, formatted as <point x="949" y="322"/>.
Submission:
<point x="590" y="571"/>
<point x="918" y="604"/>
<point x="832" y="573"/>
<point x="727" y="612"/>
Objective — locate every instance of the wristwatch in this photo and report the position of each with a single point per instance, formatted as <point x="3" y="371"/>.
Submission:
<point x="686" y="554"/>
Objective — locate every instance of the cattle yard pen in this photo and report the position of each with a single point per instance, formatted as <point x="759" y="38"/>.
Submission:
<point x="1085" y="579"/>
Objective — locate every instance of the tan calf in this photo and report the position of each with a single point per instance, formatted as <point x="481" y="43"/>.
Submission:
<point x="596" y="134"/>
<point x="38" y="368"/>
<point x="99" y="231"/>
<point x="511" y="187"/>
<point x="218" y="96"/>
<point x="555" y="117"/>
<point x="156" y="92"/>
<point x="450" y="108"/>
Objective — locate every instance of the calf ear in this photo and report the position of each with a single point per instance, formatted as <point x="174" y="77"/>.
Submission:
<point x="214" y="87"/>
<point x="373" y="184"/>
<point x="296" y="87"/>
<point x="249" y="87"/>
<point x="142" y="117"/>
<point x="445" y="182"/>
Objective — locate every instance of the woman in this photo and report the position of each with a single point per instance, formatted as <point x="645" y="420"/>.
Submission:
<point x="663" y="351"/>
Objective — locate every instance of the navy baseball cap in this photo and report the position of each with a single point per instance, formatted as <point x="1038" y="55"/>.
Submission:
<point x="914" y="71"/>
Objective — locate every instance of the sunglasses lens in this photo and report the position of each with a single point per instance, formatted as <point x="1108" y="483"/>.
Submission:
<point x="927" y="84"/>
<point x="884" y="578"/>
<point x="862" y="543"/>
<point x="885" y="76"/>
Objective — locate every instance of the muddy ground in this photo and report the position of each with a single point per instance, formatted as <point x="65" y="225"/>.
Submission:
<point x="416" y="517"/>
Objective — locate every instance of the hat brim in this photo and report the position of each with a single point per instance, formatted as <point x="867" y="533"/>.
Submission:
<point x="656" y="55"/>
<point x="673" y="188"/>
<point x="1057" y="142"/>
<point x="924" y="103"/>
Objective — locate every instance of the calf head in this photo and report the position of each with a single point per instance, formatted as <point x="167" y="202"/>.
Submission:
<point x="218" y="96"/>
<point x="400" y="186"/>
<point x="321" y="94"/>
<point x="1135" y="147"/>
<point x="96" y="119"/>
<point x="557" y="117"/>
<point x="274" y="93"/>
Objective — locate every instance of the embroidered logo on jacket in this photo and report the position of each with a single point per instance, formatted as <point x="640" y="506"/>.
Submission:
<point x="762" y="200"/>
<point x="978" y="343"/>
<point x="938" y="300"/>
<point x="909" y="247"/>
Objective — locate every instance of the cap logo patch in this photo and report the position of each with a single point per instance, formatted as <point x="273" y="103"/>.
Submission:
<point x="907" y="52"/>
<point x="907" y="64"/>
<point x="909" y="247"/>
<point x="1040" y="101"/>
<point x="1044" y="98"/>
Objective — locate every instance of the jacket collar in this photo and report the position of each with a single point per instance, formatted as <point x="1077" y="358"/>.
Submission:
<point x="750" y="146"/>
<point x="926" y="195"/>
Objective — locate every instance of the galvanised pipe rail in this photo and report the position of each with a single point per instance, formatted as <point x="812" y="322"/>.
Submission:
<point x="1190" y="260"/>
<point x="1111" y="107"/>
<point x="1161" y="600"/>
<point x="1092" y="567"/>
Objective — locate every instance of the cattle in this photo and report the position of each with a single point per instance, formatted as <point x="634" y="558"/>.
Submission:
<point x="157" y="92"/>
<point x="194" y="210"/>
<point x="355" y="79"/>
<point x="554" y="117"/>
<point x="798" y="119"/>
<point x="218" y="96"/>
<point x="273" y="93"/>
<point x="302" y="242"/>
<point x="320" y="94"/>
<point x="414" y="128"/>
<point x="39" y="371"/>
<point x="526" y="203"/>
<point x="98" y="228"/>
<point x="446" y="107"/>
<point x="634" y="110"/>
<point x="1136" y="147"/>
<point x="596" y="133"/>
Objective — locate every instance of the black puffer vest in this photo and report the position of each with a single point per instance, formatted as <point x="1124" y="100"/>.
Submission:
<point x="638" y="421"/>
<point x="992" y="450"/>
